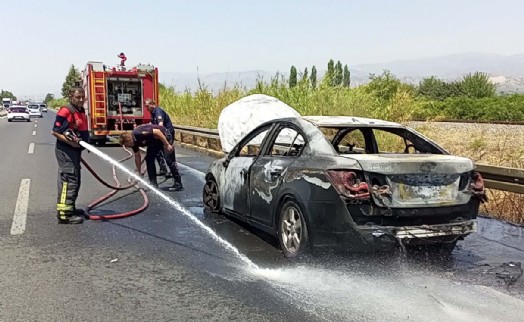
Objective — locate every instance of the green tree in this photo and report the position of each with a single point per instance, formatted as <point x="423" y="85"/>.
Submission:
<point x="293" y="77"/>
<point x="329" y="77"/>
<point x="337" y="80"/>
<point x="48" y="98"/>
<point x="346" y="78"/>
<point x="478" y="85"/>
<point x="313" y="77"/>
<point x="305" y="75"/>
<point x="72" y="79"/>
<point x="384" y="86"/>
<point x="7" y="94"/>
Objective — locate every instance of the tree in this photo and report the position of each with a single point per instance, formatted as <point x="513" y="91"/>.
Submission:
<point x="7" y="94"/>
<point x="384" y="86"/>
<point x="330" y="74"/>
<point x="478" y="85"/>
<point x="346" y="78"/>
<point x="313" y="77"/>
<point x="305" y="75"/>
<point x="72" y="79"/>
<point x="48" y="98"/>
<point x="337" y="80"/>
<point x="293" y="77"/>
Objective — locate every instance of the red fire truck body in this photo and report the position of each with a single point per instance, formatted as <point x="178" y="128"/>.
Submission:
<point x="115" y="98"/>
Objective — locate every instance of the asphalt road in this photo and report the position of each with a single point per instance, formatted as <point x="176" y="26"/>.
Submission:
<point x="161" y="265"/>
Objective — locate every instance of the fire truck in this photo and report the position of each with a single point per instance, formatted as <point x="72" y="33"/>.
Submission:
<point x="115" y="98"/>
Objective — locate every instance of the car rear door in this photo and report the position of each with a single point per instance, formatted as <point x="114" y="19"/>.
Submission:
<point x="267" y="171"/>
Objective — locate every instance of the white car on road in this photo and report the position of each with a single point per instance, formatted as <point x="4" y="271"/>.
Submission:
<point x="43" y="107"/>
<point x="34" y="110"/>
<point x="18" y="112"/>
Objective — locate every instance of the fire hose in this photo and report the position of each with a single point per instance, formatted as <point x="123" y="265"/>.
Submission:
<point x="115" y="188"/>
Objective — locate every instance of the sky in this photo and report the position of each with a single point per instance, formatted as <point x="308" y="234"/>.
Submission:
<point x="42" y="39"/>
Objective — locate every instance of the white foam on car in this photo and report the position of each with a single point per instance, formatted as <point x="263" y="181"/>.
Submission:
<point x="241" y="117"/>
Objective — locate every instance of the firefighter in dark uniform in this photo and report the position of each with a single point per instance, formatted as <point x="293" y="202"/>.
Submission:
<point x="160" y="117"/>
<point x="155" y="138"/>
<point x="70" y="126"/>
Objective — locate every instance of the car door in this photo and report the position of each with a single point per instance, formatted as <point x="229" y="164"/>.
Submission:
<point x="268" y="169"/>
<point x="235" y="184"/>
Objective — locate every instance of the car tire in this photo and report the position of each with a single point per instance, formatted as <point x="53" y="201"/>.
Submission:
<point x="8" y="120"/>
<point x="29" y="120"/>
<point x="211" y="196"/>
<point x="292" y="230"/>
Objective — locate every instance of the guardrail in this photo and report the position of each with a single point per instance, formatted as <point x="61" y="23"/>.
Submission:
<point x="208" y="141"/>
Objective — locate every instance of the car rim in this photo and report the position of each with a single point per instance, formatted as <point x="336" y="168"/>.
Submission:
<point x="211" y="195"/>
<point x="291" y="229"/>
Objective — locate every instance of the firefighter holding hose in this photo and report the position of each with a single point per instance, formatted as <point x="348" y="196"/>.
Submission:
<point x="70" y="128"/>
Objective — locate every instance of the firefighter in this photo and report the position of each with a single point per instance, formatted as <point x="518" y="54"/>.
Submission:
<point x="160" y="117"/>
<point x="155" y="138"/>
<point x="70" y="126"/>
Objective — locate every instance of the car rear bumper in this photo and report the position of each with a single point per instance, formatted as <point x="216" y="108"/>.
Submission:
<point x="332" y="226"/>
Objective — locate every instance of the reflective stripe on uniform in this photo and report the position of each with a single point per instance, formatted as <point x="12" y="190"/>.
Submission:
<point x="62" y="207"/>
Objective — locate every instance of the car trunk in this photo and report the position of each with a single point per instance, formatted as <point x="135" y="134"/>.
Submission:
<point x="416" y="180"/>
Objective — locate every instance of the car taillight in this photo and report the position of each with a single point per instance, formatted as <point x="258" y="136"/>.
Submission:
<point x="477" y="186"/>
<point x="348" y="184"/>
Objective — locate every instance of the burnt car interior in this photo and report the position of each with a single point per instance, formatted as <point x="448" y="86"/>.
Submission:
<point x="285" y="141"/>
<point x="378" y="140"/>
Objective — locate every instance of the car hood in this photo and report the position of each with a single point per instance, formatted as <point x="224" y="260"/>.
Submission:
<point x="241" y="117"/>
<point x="412" y="163"/>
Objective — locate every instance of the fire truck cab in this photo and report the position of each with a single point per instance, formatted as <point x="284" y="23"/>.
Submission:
<point x="115" y="98"/>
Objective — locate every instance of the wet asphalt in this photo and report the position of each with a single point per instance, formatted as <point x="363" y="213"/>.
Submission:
<point x="160" y="265"/>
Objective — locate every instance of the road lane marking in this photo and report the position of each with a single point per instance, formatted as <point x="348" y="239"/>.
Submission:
<point x="36" y="125"/>
<point x="31" y="148"/>
<point x="22" y="202"/>
<point x="36" y="121"/>
<point x="34" y="133"/>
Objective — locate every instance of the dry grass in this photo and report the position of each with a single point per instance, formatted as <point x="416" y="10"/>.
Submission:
<point x="500" y="145"/>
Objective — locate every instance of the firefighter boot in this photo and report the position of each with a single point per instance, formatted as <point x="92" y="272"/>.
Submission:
<point x="69" y="218"/>
<point x="81" y="213"/>
<point x="177" y="186"/>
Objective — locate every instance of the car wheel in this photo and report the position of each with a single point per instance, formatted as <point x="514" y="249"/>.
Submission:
<point x="9" y="120"/>
<point x="211" y="196"/>
<point x="28" y="120"/>
<point x="292" y="230"/>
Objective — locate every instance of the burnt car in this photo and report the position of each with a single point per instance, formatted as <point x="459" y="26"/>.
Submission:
<point x="345" y="182"/>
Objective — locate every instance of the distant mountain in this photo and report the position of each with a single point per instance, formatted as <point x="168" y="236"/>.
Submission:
<point x="506" y="71"/>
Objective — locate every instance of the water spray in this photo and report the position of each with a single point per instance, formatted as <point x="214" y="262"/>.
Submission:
<point x="173" y="203"/>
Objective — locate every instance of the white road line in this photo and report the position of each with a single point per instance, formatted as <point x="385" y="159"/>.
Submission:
<point x="20" y="216"/>
<point x="34" y="133"/>
<point x="36" y="125"/>
<point x="31" y="148"/>
<point x="36" y="121"/>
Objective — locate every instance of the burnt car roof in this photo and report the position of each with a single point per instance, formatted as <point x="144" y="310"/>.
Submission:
<point x="347" y="121"/>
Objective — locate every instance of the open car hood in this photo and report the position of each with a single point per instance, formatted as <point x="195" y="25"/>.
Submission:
<point x="241" y="117"/>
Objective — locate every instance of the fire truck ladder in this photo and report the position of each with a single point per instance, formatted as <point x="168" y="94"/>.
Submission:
<point x="99" y="81"/>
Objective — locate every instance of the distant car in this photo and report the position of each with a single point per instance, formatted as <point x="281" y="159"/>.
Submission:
<point x="346" y="182"/>
<point x="34" y="110"/>
<point x="43" y="107"/>
<point x="18" y="113"/>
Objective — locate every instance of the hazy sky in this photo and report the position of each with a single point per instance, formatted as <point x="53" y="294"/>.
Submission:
<point x="41" y="39"/>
